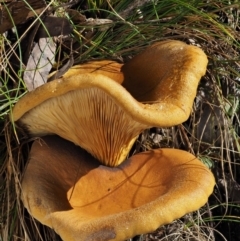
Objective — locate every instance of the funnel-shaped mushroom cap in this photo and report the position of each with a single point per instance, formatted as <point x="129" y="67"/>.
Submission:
<point x="84" y="201"/>
<point x="95" y="111"/>
<point x="167" y="71"/>
<point x="107" y="68"/>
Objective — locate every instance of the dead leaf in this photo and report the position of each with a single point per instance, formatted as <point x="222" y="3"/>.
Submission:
<point x="39" y="63"/>
<point x="18" y="12"/>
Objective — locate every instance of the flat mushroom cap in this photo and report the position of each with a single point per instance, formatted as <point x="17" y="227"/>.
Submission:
<point x="85" y="201"/>
<point x="94" y="101"/>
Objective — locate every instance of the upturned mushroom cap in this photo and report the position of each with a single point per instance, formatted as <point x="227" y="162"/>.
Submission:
<point x="95" y="112"/>
<point x="167" y="71"/>
<point x="107" y="68"/>
<point x="85" y="201"/>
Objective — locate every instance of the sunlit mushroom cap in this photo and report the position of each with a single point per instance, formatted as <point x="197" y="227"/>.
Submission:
<point x="85" y="201"/>
<point x="93" y="110"/>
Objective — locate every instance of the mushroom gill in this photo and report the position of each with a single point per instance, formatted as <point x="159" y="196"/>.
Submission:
<point x="104" y="106"/>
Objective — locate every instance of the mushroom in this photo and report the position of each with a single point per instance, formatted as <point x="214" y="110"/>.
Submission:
<point x="83" y="200"/>
<point x="102" y="107"/>
<point x="109" y="105"/>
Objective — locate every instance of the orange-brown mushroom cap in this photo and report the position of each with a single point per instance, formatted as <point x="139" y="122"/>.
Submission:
<point x="93" y="109"/>
<point x="66" y="189"/>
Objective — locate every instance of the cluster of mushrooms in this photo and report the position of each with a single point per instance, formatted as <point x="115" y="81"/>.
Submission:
<point x="79" y="180"/>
